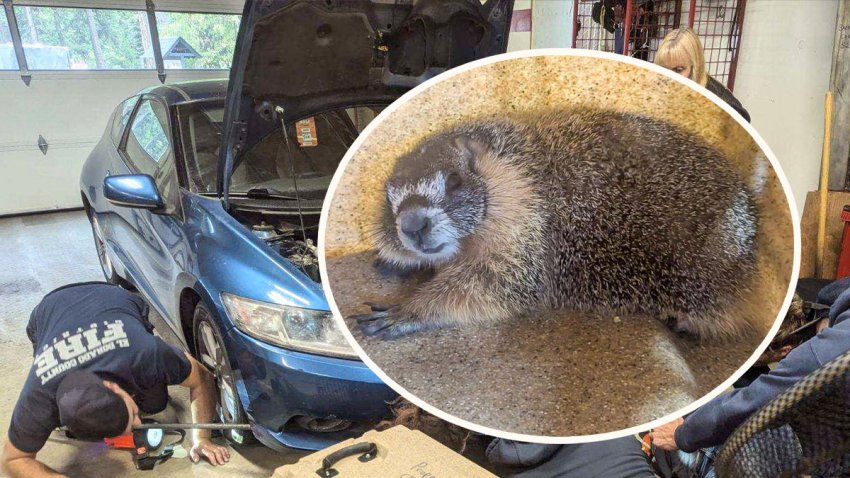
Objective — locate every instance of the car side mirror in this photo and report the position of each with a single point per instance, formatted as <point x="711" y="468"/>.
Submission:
<point x="133" y="190"/>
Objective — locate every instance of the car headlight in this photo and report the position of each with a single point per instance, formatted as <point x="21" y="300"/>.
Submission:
<point x="307" y="330"/>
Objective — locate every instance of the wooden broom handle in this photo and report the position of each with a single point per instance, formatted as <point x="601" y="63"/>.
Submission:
<point x="824" y="185"/>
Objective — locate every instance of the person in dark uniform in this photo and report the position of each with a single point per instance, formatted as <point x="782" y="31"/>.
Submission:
<point x="616" y="458"/>
<point x="97" y="366"/>
<point x="713" y="423"/>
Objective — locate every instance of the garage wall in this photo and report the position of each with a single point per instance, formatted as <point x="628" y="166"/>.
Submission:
<point x="551" y="23"/>
<point x="70" y="110"/>
<point x="783" y="74"/>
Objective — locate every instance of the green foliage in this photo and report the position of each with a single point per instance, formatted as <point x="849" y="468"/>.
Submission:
<point x="5" y="36"/>
<point x="123" y="35"/>
<point x="118" y="33"/>
<point x="120" y="37"/>
<point x="211" y="35"/>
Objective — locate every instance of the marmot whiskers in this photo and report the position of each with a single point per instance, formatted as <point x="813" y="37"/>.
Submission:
<point x="584" y="209"/>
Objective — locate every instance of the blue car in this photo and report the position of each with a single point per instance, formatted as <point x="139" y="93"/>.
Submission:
<point x="205" y="197"/>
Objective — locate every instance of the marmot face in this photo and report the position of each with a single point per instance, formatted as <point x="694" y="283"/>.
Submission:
<point x="435" y="198"/>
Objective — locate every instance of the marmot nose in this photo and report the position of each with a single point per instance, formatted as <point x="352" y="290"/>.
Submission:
<point x="414" y="223"/>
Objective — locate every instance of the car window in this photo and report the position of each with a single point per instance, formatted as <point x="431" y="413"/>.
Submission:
<point x="316" y="146"/>
<point x="121" y="117"/>
<point x="200" y="131"/>
<point x="147" y="144"/>
<point x="308" y="161"/>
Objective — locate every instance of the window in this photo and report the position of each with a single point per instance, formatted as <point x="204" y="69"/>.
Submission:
<point x="316" y="146"/>
<point x="197" y="40"/>
<point x="149" y="150"/>
<point x="120" y="118"/>
<point x="69" y="38"/>
<point x="200" y="129"/>
<point x="147" y="144"/>
<point x="308" y="160"/>
<point x="83" y="39"/>
<point x="8" y="60"/>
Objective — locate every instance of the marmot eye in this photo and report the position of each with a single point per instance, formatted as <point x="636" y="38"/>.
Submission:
<point x="453" y="181"/>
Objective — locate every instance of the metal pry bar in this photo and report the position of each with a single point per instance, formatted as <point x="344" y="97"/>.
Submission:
<point x="192" y="426"/>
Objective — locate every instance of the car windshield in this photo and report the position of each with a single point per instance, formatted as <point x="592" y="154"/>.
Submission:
<point x="200" y="132"/>
<point x="272" y="167"/>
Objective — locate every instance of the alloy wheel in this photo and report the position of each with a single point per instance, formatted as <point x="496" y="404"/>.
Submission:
<point x="210" y="353"/>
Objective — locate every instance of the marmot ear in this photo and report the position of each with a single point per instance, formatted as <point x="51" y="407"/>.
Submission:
<point x="470" y="148"/>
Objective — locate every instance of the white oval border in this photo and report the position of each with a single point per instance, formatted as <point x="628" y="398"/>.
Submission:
<point x="792" y="205"/>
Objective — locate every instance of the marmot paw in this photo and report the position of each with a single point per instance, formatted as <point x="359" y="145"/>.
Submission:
<point x="388" y="269"/>
<point x="387" y="322"/>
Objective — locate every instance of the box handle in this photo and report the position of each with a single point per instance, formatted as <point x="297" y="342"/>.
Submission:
<point x="367" y="452"/>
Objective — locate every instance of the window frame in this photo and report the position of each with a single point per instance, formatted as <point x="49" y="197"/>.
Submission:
<point x="77" y="7"/>
<point x="122" y="148"/>
<point x="175" y="209"/>
<point x="118" y="110"/>
<point x="180" y="151"/>
<point x="25" y="73"/>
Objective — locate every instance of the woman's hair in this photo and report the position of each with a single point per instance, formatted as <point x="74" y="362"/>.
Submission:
<point x="682" y="47"/>
<point x="413" y="417"/>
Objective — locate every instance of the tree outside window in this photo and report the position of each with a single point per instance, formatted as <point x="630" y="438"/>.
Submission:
<point x="8" y="60"/>
<point x="211" y="36"/>
<point x="83" y="39"/>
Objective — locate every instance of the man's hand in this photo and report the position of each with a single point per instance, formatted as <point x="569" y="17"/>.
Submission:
<point x="202" y="394"/>
<point x="216" y="454"/>
<point x="664" y="437"/>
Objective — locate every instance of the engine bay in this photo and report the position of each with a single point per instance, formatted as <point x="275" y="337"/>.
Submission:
<point x="284" y="234"/>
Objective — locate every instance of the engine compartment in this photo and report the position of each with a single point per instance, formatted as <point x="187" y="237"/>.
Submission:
<point x="282" y="231"/>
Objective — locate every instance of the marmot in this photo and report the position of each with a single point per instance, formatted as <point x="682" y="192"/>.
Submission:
<point x="585" y="209"/>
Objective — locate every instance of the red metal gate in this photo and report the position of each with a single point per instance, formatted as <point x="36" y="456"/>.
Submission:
<point x="636" y="28"/>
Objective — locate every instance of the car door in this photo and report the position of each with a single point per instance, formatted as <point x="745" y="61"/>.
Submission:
<point x="154" y="241"/>
<point x="106" y="162"/>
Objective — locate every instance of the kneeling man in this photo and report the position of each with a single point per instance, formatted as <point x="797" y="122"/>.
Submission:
<point x="97" y="366"/>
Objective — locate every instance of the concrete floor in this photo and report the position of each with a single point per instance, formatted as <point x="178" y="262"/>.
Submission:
<point x="38" y="254"/>
<point x="558" y="374"/>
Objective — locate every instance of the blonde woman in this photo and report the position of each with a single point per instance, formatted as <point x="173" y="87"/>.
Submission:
<point x="681" y="51"/>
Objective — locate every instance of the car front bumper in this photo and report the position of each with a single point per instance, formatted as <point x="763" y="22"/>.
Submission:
<point x="276" y="386"/>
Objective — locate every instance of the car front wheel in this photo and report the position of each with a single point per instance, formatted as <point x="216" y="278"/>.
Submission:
<point x="212" y="354"/>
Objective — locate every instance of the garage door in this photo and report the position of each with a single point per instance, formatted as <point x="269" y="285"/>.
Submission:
<point x="83" y="62"/>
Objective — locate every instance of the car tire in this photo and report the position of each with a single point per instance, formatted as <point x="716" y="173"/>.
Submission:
<point x="210" y="352"/>
<point x="106" y="264"/>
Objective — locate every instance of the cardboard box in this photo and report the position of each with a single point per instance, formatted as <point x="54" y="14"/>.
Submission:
<point x="401" y="453"/>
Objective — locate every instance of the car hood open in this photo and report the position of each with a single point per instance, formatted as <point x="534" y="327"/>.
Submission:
<point x="311" y="56"/>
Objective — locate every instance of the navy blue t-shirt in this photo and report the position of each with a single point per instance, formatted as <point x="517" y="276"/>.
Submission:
<point x="97" y="327"/>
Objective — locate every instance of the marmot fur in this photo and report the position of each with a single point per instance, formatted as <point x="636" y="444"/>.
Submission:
<point x="584" y="209"/>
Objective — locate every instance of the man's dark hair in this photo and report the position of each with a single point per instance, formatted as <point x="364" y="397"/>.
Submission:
<point x="88" y="409"/>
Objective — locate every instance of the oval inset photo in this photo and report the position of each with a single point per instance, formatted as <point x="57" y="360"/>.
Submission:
<point x="559" y="244"/>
